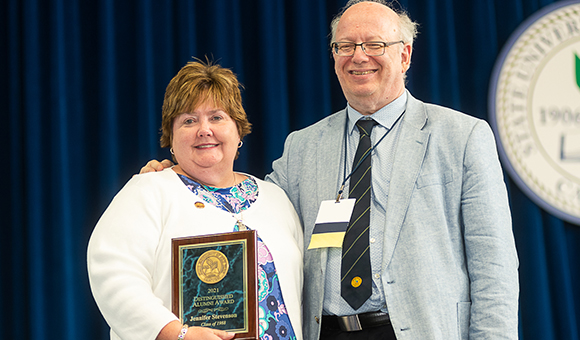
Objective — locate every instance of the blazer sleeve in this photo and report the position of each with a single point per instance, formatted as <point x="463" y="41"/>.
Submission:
<point x="489" y="243"/>
<point x="280" y="172"/>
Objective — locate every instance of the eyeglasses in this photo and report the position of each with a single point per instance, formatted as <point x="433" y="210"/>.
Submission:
<point x="370" y="48"/>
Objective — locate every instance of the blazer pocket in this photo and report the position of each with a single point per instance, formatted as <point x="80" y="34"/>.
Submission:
<point x="434" y="179"/>
<point x="463" y="317"/>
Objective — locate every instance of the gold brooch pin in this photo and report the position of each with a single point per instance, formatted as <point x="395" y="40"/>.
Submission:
<point x="356" y="281"/>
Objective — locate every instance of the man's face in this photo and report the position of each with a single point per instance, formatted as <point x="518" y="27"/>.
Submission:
<point x="369" y="83"/>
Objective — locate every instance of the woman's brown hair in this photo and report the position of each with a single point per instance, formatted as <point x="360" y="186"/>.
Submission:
<point x="195" y="83"/>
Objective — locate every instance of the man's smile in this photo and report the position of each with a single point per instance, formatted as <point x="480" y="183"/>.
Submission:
<point x="362" y="73"/>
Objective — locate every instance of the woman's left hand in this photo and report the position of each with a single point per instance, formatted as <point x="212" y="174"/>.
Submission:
<point x="203" y="333"/>
<point x="173" y="329"/>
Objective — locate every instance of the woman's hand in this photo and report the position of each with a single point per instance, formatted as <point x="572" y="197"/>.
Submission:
<point x="203" y="333"/>
<point x="154" y="165"/>
<point x="173" y="329"/>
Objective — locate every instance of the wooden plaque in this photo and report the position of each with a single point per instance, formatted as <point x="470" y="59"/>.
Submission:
<point x="214" y="282"/>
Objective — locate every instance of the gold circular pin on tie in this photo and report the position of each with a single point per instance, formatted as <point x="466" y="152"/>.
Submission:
<point x="199" y="205"/>
<point x="356" y="281"/>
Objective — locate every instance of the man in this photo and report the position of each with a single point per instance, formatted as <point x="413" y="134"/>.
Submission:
<point x="443" y="263"/>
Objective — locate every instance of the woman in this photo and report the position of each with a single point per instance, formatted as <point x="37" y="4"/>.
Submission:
<point x="129" y="254"/>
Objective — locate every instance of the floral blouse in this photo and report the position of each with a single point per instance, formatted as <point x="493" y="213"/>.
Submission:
<point x="274" y="322"/>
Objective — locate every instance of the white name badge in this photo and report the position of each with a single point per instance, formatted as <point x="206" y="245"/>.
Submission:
<point x="331" y="223"/>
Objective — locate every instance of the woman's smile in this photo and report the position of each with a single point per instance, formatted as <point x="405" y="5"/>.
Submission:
<point x="205" y="139"/>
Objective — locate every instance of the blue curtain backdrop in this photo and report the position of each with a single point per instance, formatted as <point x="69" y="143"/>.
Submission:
<point x="81" y="88"/>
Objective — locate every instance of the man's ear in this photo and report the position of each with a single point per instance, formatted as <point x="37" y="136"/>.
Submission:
<point x="406" y="52"/>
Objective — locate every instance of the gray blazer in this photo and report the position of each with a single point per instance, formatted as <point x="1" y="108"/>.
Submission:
<point x="450" y="268"/>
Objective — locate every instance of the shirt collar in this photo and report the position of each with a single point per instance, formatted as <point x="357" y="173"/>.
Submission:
<point x="385" y="117"/>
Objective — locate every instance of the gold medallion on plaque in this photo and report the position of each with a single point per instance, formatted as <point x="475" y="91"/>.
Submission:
<point x="212" y="266"/>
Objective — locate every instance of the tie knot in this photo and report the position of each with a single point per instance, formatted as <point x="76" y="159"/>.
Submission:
<point x="365" y="126"/>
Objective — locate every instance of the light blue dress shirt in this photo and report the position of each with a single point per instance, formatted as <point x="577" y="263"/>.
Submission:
<point x="382" y="160"/>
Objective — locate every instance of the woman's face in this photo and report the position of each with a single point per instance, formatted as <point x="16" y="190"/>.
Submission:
<point x="205" y="140"/>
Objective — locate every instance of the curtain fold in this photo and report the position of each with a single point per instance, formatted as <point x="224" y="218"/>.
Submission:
<point x="82" y="85"/>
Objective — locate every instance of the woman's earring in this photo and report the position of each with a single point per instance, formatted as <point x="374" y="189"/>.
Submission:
<point x="171" y="150"/>
<point x="240" y="144"/>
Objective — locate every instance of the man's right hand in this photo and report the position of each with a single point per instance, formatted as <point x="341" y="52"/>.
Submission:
<point x="154" y="165"/>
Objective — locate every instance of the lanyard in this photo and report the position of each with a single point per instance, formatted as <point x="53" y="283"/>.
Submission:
<point x="340" y="191"/>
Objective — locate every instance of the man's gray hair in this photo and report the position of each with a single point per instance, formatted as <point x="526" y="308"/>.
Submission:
<point x="407" y="27"/>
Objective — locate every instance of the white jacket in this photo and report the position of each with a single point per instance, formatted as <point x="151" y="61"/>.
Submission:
<point x="129" y="253"/>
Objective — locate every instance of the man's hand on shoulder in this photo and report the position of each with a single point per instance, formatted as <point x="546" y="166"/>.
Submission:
<point x="154" y="165"/>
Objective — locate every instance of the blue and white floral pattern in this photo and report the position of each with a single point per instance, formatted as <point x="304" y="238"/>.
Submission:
<point x="274" y="322"/>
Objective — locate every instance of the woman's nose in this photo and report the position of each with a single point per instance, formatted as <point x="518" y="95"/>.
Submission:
<point x="204" y="129"/>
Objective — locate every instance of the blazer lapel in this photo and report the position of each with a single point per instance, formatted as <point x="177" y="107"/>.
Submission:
<point x="329" y="149"/>
<point x="409" y="155"/>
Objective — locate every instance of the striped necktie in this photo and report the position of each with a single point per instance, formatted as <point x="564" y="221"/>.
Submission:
<point x="356" y="282"/>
